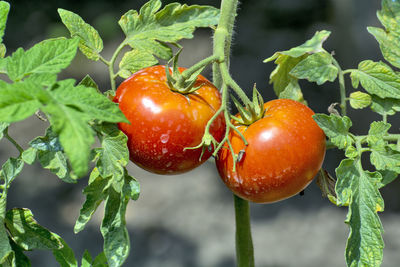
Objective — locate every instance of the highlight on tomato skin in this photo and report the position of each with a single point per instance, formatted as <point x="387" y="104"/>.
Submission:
<point x="285" y="150"/>
<point x="163" y="123"/>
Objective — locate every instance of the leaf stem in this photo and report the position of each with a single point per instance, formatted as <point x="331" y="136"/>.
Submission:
<point x="111" y="63"/>
<point x="201" y="64"/>
<point x="343" y="102"/>
<point x="244" y="242"/>
<point x="9" y="138"/>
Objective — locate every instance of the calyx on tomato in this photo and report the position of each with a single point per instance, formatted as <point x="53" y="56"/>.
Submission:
<point x="250" y="112"/>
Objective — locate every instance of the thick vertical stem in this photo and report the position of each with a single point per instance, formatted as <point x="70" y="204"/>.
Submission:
<point x="221" y="49"/>
<point x="244" y="242"/>
<point x="223" y="36"/>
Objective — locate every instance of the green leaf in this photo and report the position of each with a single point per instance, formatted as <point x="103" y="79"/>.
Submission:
<point x="148" y="30"/>
<point x="135" y="60"/>
<point x="69" y="112"/>
<point x="65" y="255"/>
<point x="51" y="156"/>
<point x="113" y="229"/>
<point x="280" y="76"/>
<point x="4" y="9"/>
<point x="3" y="126"/>
<point x="19" y="101"/>
<point x="387" y="177"/>
<point x="377" y="130"/>
<point x="389" y="15"/>
<point x="29" y="155"/>
<point x="87" y="81"/>
<point x="131" y="187"/>
<point x="75" y="135"/>
<point x="312" y="46"/>
<point x="95" y="194"/>
<point x="336" y="128"/>
<point x="100" y="260"/>
<point x="287" y="60"/>
<point x="293" y="91"/>
<point x="359" y="100"/>
<point x="87" y="100"/>
<point x="21" y="260"/>
<point x="113" y="154"/>
<point x="3" y="61"/>
<point x="388" y="43"/>
<point x="43" y="79"/>
<point x="90" y="42"/>
<point x="10" y="170"/>
<point x="387" y="106"/>
<point x="377" y="78"/>
<point x="5" y="247"/>
<point x="27" y="233"/>
<point x="359" y="189"/>
<point x="49" y="56"/>
<point x="385" y="158"/>
<point x="86" y="259"/>
<point x="317" y="68"/>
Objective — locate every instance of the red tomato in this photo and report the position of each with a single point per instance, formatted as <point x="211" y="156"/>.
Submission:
<point x="285" y="150"/>
<point x="164" y="122"/>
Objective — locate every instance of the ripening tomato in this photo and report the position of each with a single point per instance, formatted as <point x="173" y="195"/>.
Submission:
<point x="285" y="150"/>
<point x="164" y="122"/>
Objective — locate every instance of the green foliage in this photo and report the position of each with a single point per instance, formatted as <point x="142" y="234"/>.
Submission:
<point x="355" y="187"/>
<point x="336" y="129"/>
<point x="77" y="114"/>
<point x="358" y="189"/>
<point x="285" y="76"/>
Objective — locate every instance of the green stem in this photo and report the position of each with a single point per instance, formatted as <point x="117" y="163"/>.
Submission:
<point x="343" y="102"/>
<point x="223" y="36"/>
<point x="201" y="64"/>
<point x="111" y="63"/>
<point x="244" y="243"/>
<point x="9" y="138"/>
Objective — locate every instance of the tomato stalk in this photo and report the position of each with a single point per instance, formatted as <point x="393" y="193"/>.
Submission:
<point x="223" y="80"/>
<point x="244" y="242"/>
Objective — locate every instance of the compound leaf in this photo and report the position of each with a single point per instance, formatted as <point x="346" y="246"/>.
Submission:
<point x="149" y="29"/>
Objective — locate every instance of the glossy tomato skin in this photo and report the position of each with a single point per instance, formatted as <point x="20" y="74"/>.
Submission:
<point x="285" y="150"/>
<point x="164" y="122"/>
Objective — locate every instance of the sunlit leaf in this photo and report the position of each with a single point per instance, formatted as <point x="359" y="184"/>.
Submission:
<point x="359" y="190"/>
<point x="377" y="78"/>
<point x="336" y="128"/>
<point x="90" y="42"/>
<point x="317" y="68"/>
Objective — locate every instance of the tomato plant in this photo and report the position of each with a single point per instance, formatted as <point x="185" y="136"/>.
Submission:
<point x="164" y="123"/>
<point x="172" y="120"/>
<point x="285" y="151"/>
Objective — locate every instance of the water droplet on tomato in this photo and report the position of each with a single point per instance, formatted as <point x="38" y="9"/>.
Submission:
<point x="164" y="138"/>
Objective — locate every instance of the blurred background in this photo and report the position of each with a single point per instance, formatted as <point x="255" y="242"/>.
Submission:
<point x="188" y="220"/>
